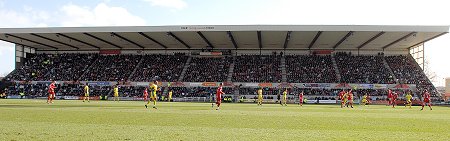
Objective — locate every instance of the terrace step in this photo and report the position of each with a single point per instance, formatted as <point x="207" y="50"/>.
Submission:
<point x="336" y="69"/>
<point x="186" y="66"/>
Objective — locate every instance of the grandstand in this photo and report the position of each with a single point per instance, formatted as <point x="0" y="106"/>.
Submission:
<point x="191" y="60"/>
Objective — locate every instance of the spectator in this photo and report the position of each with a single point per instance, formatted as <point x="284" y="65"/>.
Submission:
<point x="112" y="68"/>
<point x="257" y="68"/>
<point x="60" y="67"/>
<point x="206" y="69"/>
<point x="407" y="71"/>
<point x="310" y="69"/>
<point x="167" y="67"/>
<point x="363" y="69"/>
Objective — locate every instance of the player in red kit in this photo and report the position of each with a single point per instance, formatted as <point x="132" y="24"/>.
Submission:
<point x="300" y="96"/>
<point x="389" y="97"/>
<point x="219" y="93"/>
<point x="426" y="100"/>
<point x="394" y="99"/>
<point x="350" y="98"/>
<point x="51" y="92"/>
<point x="145" y="94"/>
<point x="341" y="97"/>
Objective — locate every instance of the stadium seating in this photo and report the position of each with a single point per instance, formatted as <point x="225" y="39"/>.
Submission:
<point x="34" y="69"/>
<point x="30" y="90"/>
<point x="44" y="67"/>
<point x="310" y="69"/>
<point x="197" y="91"/>
<point x="247" y="68"/>
<point x="70" y="66"/>
<point x="40" y="90"/>
<point x="72" y="90"/>
<point x="252" y="91"/>
<point x="363" y="69"/>
<point x="135" y="91"/>
<point x="112" y="68"/>
<point x="257" y="68"/>
<point x="130" y="91"/>
<point x="407" y="71"/>
<point x="206" y="69"/>
<point x="167" y="67"/>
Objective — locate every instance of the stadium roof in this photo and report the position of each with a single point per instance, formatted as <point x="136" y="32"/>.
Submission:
<point x="302" y="37"/>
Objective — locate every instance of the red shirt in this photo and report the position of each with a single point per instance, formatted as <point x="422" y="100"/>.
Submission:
<point x="341" y="95"/>
<point x="51" y="88"/>
<point x="145" y="92"/>
<point x="389" y="94"/>
<point x="350" y="96"/>
<point x="219" y="93"/>
<point x="394" y="96"/>
<point x="426" y="95"/>
<point x="301" y="95"/>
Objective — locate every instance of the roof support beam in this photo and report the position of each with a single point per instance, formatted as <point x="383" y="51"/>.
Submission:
<point x="230" y="35"/>
<point x="343" y="39"/>
<point x="370" y="40"/>
<point x="71" y="38"/>
<point x="31" y="41"/>
<point x="314" y="40"/>
<point x="398" y="40"/>
<point x="54" y="40"/>
<point x="179" y="40"/>
<point x="428" y="40"/>
<point x="259" y="39"/>
<point x="95" y="37"/>
<point x="123" y="38"/>
<point x="204" y="39"/>
<point x="150" y="38"/>
<point x="16" y="43"/>
<point x="286" y="40"/>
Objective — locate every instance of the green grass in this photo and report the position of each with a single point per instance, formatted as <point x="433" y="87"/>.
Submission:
<point x="107" y="120"/>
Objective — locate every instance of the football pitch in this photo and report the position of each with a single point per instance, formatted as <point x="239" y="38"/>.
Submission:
<point x="129" y="120"/>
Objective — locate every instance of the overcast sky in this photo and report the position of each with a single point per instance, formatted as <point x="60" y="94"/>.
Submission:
<point x="61" y="13"/>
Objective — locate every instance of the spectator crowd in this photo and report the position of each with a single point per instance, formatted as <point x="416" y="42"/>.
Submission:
<point x="363" y="69"/>
<point x="310" y="69"/>
<point x="257" y="68"/>
<point x="112" y="68"/>
<point x="208" y="69"/>
<point x="247" y="68"/>
<point x="44" y="67"/>
<point x="407" y="71"/>
<point x="167" y="67"/>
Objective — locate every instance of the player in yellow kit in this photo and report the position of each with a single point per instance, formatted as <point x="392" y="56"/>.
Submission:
<point x="116" y="93"/>
<point x="170" y="96"/>
<point x="86" y="92"/>
<point x="408" y="98"/>
<point x="285" y="97"/>
<point x="153" y="97"/>
<point x="345" y="98"/>
<point x="364" y="100"/>
<point x="260" y="97"/>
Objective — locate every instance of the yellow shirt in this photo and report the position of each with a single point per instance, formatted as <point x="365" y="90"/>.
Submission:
<point x="408" y="97"/>
<point x="284" y="93"/>
<point x="86" y="89"/>
<point x="116" y="90"/>
<point x="154" y="88"/>
<point x="260" y="92"/>
<point x="170" y="95"/>
<point x="364" y="97"/>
